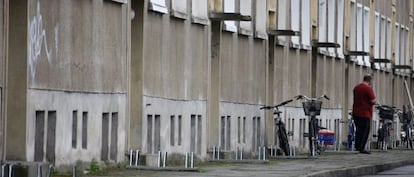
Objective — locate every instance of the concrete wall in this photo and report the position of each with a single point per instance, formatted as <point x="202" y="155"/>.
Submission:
<point x="3" y="38"/>
<point x="64" y="103"/>
<point x="77" y="61"/>
<point x="77" y="45"/>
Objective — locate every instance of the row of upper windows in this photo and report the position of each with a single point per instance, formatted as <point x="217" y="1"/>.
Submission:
<point x="296" y="15"/>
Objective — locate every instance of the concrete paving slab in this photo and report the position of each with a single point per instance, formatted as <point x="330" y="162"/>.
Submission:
<point x="327" y="165"/>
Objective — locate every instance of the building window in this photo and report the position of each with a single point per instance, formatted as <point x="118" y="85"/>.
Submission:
<point x="340" y="28"/>
<point x="153" y="133"/>
<point x="105" y="138"/>
<point x="180" y="132"/>
<point x="306" y="24"/>
<point x="359" y="37"/>
<point x="260" y="22"/>
<point x="199" y="12"/>
<point x="39" y="136"/>
<point x="256" y="133"/>
<point x="114" y="136"/>
<point x="295" y="21"/>
<point x="225" y="134"/>
<point x="51" y="136"/>
<point x="322" y="23"/>
<point x="179" y="8"/>
<point x="281" y="17"/>
<point x="74" y="129"/>
<point x="172" y="130"/>
<point x="84" y="130"/>
<point x="158" y="6"/>
<point x="244" y="129"/>
<point x="230" y="6"/>
<point x="246" y="9"/>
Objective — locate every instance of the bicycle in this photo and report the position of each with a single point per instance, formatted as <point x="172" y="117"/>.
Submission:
<point x="386" y="114"/>
<point x="281" y="128"/>
<point x="312" y="108"/>
<point x="406" y="134"/>
<point x="351" y="134"/>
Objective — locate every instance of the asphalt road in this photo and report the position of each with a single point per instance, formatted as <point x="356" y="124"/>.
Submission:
<point x="405" y="171"/>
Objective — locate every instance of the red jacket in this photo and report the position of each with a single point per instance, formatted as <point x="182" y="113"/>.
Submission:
<point x="363" y="107"/>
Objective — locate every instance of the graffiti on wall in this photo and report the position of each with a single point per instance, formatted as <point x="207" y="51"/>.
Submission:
<point x="38" y="41"/>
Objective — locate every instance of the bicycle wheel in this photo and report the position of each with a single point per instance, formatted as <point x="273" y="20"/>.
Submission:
<point x="283" y="139"/>
<point x="408" y="138"/>
<point x="312" y="136"/>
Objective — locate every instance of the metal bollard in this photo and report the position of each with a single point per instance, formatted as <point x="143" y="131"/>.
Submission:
<point x="74" y="171"/>
<point x="11" y="170"/>
<point x="39" y="170"/>
<point x="130" y="157"/>
<point x="136" y="157"/>
<point x="241" y="154"/>
<point x="3" y="170"/>
<point x="264" y="152"/>
<point x="186" y="160"/>
<point x="50" y="170"/>
<point x="214" y="152"/>
<point x="192" y="159"/>
<point x="164" y="160"/>
<point x="159" y="159"/>
<point x="218" y="153"/>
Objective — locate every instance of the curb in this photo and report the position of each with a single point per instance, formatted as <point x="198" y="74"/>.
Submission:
<point x="360" y="170"/>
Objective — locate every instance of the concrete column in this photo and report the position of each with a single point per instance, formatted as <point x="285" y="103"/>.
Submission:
<point x="393" y="40"/>
<point x="4" y="41"/>
<point x="214" y="86"/>
<point x="135" y="89"/>
<point x="16" y="81"/>
<point x="269" y="91"/>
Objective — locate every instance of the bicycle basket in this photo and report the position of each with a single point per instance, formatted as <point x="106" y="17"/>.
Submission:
<point x="312" y="108"/>
<point x="386" y="112"/>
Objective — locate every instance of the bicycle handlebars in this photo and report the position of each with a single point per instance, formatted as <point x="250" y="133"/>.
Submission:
<point x="278" y="105"/>
<point x="299" y="97"/>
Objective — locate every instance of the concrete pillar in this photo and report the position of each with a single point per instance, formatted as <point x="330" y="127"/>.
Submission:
<point x="269" y="91"/>
<point x="214" y="86"/>
<point x="4" y="40"/>
<point x="16" y="81"/>
<point x="135" y="89"/>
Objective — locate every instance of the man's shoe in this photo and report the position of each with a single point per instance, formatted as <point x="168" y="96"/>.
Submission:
<point x="364" y="152"/>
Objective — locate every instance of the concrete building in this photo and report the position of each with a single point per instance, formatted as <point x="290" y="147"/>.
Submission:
<point x="83" y="80"/>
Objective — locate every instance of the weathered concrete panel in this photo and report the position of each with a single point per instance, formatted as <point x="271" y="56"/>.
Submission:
<point x="243" y="69"/>
<point x="175" y="58"/>
<point x="165" y="108"/>
<point x="64" y="103"/>
<point x="77" y="45"/>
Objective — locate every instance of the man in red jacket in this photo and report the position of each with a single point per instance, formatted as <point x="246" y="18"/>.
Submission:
<point x="364" y="99"/>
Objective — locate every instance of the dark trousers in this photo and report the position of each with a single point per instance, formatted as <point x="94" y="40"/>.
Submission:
<point x="363" y="126"/>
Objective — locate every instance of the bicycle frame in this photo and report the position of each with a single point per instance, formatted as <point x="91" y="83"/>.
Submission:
<point x="406" y="120"/>
<point x="351" y="134"/>
<point x="283" y="141"/>
<point x="312" y="108"/>
<point x="384" y="126"/>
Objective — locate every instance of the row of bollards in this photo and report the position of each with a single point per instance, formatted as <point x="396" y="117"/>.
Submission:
<point x="262" y="153"/>
<point x="9" y="171"/>
<point x="134" y="157"/>
<point x="189" y="160"/>
<point x="216" y="152"/>
<point x="4" y="172"/>
<point x="239" y="153"/>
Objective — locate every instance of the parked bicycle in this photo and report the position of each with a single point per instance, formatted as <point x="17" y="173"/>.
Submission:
<point x="405" y="117"/>
<point x="312" y="108"/>
<point x="386" y="115"/>
<point x="280" y="127"/>
<point x="351" y="133"/>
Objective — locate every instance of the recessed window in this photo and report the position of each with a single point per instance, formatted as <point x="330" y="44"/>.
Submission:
<point x="84" y="130"/>
<point x="74" y="129"/>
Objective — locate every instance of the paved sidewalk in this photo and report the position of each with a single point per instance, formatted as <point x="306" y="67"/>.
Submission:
<point x="332" y="164"/>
